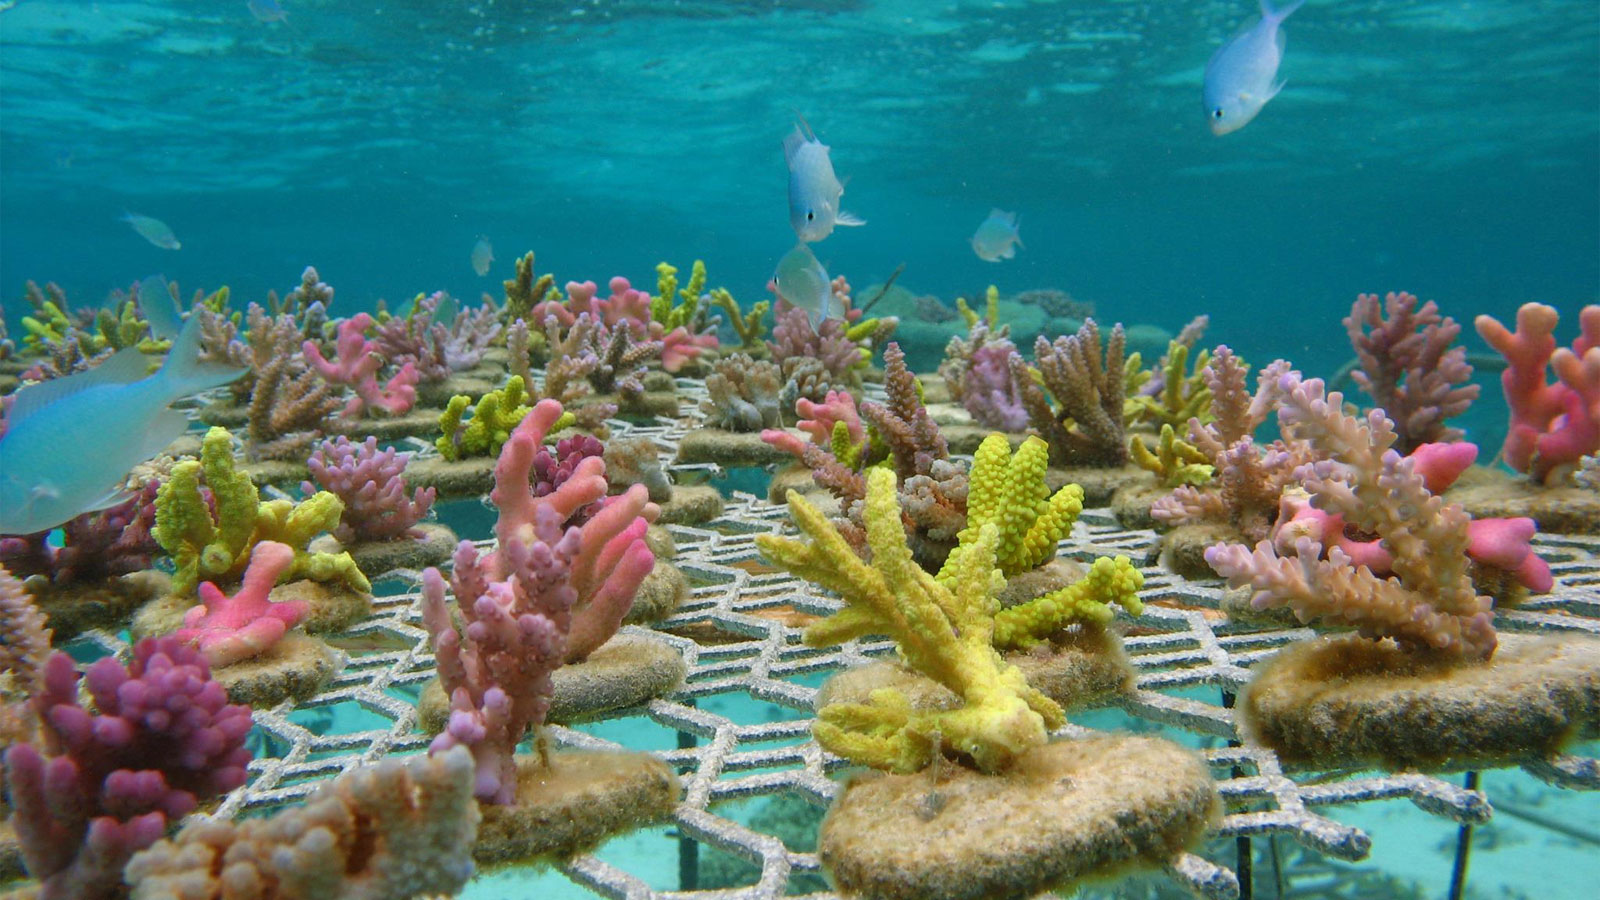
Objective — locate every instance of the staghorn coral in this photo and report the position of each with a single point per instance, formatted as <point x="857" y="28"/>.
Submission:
<point x="115" y="778"/>
<point x="289" y="402"/>
<point x="1248" y="480"/>
<point x="228" y="629"/>
<point x="436" y="348"/>
<point x="1086" y="425"/>
<point x="493" y="418"/>
<point x="1552" y="425"/>
<point x="1408" y="368"/>
<point x="1429" y="604"/>
<point x="751" y="327"/>
<point x="943" y="628"/>
<point x="743" y="394"/>
<point x="825" y="353"/>
<point x="371" y="485"/>
<point x="307" y="304"/>
<point x="209" y="531"/>
<point x="1009" y="492"/>
<point x="390" y="830"/>
<point x="545" y="595"/>
<point x="356" y="367"/>
<point x="1176" y="396"/>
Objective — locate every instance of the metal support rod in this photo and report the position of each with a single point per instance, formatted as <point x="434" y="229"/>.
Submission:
<point x="1241" y="844"/>
<point x="1458" y="872"/>
<point x="688" y="848"/>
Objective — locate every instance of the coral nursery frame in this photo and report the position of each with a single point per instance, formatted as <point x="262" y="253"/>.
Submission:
<point x="1189" y="657"/>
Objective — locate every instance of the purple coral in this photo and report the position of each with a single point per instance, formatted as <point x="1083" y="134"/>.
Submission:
<point x="1409" y="368"/>
<point x="552" y="469"/>
<point x="372" y="485"/>
<point x="163" y="739"/>
<point x="794" y="339"/>
<point x="94" y="547"/>
<point x="437" y="348"/>
<point x="356" y="365"/>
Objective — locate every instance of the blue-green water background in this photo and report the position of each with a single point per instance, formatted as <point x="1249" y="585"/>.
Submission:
<point x="1451" y="149"/>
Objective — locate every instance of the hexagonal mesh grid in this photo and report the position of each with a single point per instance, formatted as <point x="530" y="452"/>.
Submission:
<point x="736" y="635"/>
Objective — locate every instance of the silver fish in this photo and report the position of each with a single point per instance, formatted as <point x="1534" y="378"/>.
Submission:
<point x="801" y="280"/>
<point x="997" y="237"/>
<point x="1242" y="75"/>
<point x="153" y="230"/>
<point x="814" y="190"/>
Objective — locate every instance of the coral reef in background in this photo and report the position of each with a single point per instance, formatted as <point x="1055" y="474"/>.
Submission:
<point x="1057" y="304"/>
<point x="386" y="831"/>
<point x="371" y="485"/>
<point x="209" y="516"/>
<point x="743" y="394"/>
<point x="1430" y="602"/>
<point x="108" y="783"/>
<point x="1247" y="479"/>
<point x="1085" y="427"/>
<point x="943" y="628"/>
<point x="1406" y="364"/>
<point x="1552" y="425"/>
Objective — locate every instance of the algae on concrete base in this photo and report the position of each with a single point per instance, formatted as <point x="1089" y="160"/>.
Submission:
<point x="1349" y="701"/>
<point x="76" y="608"/>
<point x="297" y="666"/>
<point x="731" y="449"/>
<point x="11" y="866"/>
<point x="1098" y="484"/>
<point x="1564" y="509"/>
<point x="1183" y="549"/>
<point x="453" y="479"/>
<point x="691" y="504"/>
<point x="578" y="801"/>
<point x="1063" y="812"/>
<point x="659" y="594"/>
<point x="432" y="548"/>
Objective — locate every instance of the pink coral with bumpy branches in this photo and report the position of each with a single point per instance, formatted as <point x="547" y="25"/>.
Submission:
<point x="1553" y="425"/>
<point x="372" y="485"/>
<point x="357" y="366"/>
<point x="230" y="629"/>
<point x="818" y="420"/>
<point x="162" y="740"/>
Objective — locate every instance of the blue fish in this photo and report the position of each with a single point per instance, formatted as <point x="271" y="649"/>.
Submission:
<point x="155" y="301"/>
<point x="997" y="237"/>
<point x="1242" y="75"/>
<point x="70" y="442"/>
<point x="801" y="280"/>
<point x="814" y="190"/>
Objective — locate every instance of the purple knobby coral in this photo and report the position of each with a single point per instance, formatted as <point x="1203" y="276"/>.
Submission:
<point x="978" y="370"/>
<point x="1408" y="367"/>
<point x="372" y="485"/>
<point x="108" y="783"/>
<point x="553" y="466"/>
<point x="795" y="341"/>
<point x="94" y="547"/>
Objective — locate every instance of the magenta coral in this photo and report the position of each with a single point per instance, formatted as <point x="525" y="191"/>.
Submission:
<point x="1553" y="425"/>
<point x="372" y="485"/>
<point x="553" y="466"/>
<point x="817" y="419"/>
<point x="357" y="366"/>
<point x="229" y="629"/>
<point x="162" y="740"/>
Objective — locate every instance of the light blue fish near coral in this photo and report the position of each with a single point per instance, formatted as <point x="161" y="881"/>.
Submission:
<point x="155" y="302"/>
<point x="266" y="11"/>
<point x="1242" y="75"/>
<point x="70" y="442"/>
<point x="997" y="237"/>
<point x="482" y="255"/>
<point x="153" y="230"/>
<point x="814" y="190"/>
<point x="801" y="280"/>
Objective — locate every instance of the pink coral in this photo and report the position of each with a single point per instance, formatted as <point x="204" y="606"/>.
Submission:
<point x="1553" y="425"/>
<point x="372" y="485"/>
<point x="818" y="420"/>
<point x="1408" y="366"/>
<point x="357" y="366"/>
<point x="229" y="629"/>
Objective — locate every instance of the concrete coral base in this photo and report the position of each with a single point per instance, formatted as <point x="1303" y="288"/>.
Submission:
<point x="691" y="504"/>
<point x="453" y="479"/>
<point x="375" y="558"/>
<point x="11" y="865"/>
<point x="334" y="607"/>
<point x="296" y="666"/>
<point x="1183" y="549"/>
<point x="1085" y="667"/>
<point x="419" y="422"/>
<point x="794" y="477"/>
<point x="1065" y="811"/>
<point x="574" y="804"/>
<point x="626" y="671"/>
<point x="1347" y="701"/>
<point x="658" y="595"/>
<point x="1131" y="503"/>
<point x="1566" y="509"/>
<point x="728" y="448"/>
<point x="75" y="608"/>
<point x="1098" y="484"/>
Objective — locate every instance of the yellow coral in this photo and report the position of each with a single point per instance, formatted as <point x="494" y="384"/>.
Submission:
<point x="1009" y="491"/>
<point x="943" y="627"/>
<point x="1110" y="580"/>
<point x="1175" y="461"/>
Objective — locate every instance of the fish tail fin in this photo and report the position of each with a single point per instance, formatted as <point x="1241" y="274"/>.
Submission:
<point x="184" y="372"/>
<point x="1268" y="11"/>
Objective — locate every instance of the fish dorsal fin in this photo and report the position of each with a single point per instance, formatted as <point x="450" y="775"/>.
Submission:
<point x="155" y="301"/>
<point x="792" y="142"/>
<point x="124" y="367"/>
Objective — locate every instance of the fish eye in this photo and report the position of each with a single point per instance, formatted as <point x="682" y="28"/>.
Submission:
<point x="1216" y="113"/>
<point x="810" y="216"/>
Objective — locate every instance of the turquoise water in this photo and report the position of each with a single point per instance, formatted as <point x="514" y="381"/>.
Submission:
<point x="1447" y="148"/>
